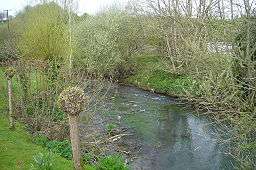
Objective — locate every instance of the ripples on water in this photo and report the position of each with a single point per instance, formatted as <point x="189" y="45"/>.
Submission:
<point x="171" y="136"/>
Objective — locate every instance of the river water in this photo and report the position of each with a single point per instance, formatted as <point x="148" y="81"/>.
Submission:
<point x="171" y="136"/>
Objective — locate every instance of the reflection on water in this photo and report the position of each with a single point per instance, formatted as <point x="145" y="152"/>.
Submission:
<point x="172" y="137"/>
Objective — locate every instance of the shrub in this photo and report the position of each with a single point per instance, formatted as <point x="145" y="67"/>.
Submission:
<point x="42" y="32"/>
<point x="104" y="43"/>
<point x="41" y="140"/>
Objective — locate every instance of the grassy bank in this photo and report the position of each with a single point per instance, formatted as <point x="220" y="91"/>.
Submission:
<point x="17" y="150"/>
<point x="152" y="74"/>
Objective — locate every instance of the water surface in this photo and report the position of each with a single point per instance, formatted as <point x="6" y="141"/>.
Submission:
<point x="172" y="137"/>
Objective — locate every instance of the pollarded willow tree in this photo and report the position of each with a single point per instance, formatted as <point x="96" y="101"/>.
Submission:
<point x="10" y="72"/>
<point x="72" y="101"/>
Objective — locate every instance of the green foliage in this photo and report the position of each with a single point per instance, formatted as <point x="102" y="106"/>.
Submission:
<point x="63" y="148"/>
<point x="42" y="34"/>
<point x="152" y="75"/>
<point x="244" y="61"/>
<point x="89" y="158"/>
<point x="103" y="43"/>
<point x="111" y="127"/>
<point x="58" y="115"/>
<point x="43" y="162"/>
<point x="17" y="149"/>
<point x="41" y="140"/>
<point x="8" y="51"/>
<point x="112" y="162"/>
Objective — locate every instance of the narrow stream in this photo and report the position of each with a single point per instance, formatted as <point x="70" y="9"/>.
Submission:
<point x="172" y="137"/>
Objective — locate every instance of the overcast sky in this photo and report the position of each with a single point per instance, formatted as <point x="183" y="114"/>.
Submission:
<point x="88" y="6"/>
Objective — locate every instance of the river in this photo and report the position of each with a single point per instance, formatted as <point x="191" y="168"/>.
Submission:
<point x="172" y="137"/>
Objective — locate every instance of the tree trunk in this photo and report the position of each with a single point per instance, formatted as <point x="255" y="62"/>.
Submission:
<point x="189" y="8"/>
<point x="232" y="9"/>
<point x="11" y="120"/>
<point x="74" y="132"/>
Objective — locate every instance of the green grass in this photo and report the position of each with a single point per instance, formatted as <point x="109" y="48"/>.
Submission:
<point x="152" y="74"/>
<point x="17" y="149"/>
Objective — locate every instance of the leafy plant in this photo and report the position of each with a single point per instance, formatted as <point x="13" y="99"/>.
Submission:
<point x="104" y="43"/>
<point x="113" y="162"/>
<point x="43" y="162"/>
<point x="63" y="148"/>
<point x="111" y="127"/>
<point x="41" y="140"/>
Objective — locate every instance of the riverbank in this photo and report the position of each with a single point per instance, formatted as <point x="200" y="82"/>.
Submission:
<point x="17" y="150"/>
<point x="151" y="74"/>
<point x="54" y="136"/>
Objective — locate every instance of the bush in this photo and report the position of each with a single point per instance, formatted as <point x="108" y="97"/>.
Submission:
<point x="63" y="148"/>
<point x="8" y="51"/>
<point x="104" y="43"/>
<point x="42" y="32"/>
<point x="41" y="140"/>
<point x="244" y="63"/>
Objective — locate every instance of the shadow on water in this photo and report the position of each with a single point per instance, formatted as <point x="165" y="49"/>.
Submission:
<point x="171" y="136"/>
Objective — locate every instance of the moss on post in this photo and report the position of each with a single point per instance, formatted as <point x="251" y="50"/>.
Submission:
<point x="72" y="101"/>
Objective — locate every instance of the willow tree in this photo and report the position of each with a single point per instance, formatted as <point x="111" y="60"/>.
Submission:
<point x="43" y="34"/>
<point x="42" y="37"/>
<point x="10" y="72"/>
<point x="104" y="43"/>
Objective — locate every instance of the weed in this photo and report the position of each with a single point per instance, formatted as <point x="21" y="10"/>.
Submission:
<point x="111" y="127"/>
<point x="43" y="162"/>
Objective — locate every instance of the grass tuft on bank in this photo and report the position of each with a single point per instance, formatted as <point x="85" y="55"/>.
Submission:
<point x="152" y="73"/>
